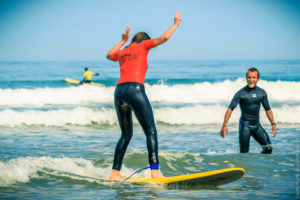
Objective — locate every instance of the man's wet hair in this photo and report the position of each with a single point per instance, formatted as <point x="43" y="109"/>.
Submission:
<point x="253" y="69"/>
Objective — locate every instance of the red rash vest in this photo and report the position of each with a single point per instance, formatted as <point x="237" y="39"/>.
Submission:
<point x="133" y="61"/>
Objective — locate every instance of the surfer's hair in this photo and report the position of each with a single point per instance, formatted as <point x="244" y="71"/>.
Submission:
<point x="252" y="69"/>
<point x="140" y="37"/>
<point x="85" y="69"/>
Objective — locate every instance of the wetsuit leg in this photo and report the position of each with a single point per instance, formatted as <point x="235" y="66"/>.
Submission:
<point x="261" y="136"/>
<point x="244" y="137"/>
<point x="143" y="112"/>
<point x="124" y="114"/>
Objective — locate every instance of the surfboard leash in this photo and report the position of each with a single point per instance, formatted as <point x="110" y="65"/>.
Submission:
<point x="135" y="173"/>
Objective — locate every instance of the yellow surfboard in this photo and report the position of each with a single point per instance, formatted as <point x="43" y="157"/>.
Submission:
<point x="198" y="180"/>
<point x="68" y="80"/>
<point x="211" y="178"/>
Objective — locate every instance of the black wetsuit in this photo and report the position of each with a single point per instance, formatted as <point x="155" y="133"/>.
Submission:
<point x="85" y="81"/>
<point x="130" y="97"/>
<point x="250" y="100"/>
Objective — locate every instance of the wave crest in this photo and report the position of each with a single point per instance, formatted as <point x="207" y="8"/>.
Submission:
<point x="193" y="115"/>
<point x="205" y="92"/>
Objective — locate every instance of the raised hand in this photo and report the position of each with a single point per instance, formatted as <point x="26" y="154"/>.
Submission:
<point x="117" y="47"/>
<point x="177" y="18"/>
<point x="125" y="35"/>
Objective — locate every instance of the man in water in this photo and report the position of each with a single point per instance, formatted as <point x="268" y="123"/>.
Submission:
<point x="250" y="97"/>
<point x="87" y="76"/>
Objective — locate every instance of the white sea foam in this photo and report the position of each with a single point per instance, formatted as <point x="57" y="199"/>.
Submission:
<point x="220" y="92"/>
<point x="56" y="96"/>
<point x="214" y="114"/>
<point x="227" y="151"/>
<point x="21" y="170"/>
<point x="77" y="116"/>
<point x="193" y="115"/>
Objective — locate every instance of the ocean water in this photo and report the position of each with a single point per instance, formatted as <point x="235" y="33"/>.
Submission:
<point x="57" y="139"/>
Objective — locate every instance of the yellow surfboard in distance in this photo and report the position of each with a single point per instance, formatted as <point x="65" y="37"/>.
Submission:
<point x="210" y="178"/>
<point x="68" y="80"/>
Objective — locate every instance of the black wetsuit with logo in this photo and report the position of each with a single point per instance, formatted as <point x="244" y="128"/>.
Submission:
<point x="250" y="100"/>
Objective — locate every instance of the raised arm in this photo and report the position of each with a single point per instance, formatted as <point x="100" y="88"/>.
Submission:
<point x="224" y="127"/>
<point x="118" y="46"/>
<point x="164" y="37"/>
<point x="271" y="119"/>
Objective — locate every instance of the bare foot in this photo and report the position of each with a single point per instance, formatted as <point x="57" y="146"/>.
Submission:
<point x="115" y="175"/>
<point x="156" y="174"/>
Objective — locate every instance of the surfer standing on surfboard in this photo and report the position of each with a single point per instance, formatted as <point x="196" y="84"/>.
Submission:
<point x="87" y="76"/>
<point x="130" y="95"/>
<point x="250" y="97"/>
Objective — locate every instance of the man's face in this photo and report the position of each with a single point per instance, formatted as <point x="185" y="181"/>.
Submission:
<point x="252" y="79"/>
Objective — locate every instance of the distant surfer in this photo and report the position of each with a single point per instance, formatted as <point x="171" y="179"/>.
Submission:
<point x="250" y="97"/>
<point x="130" y="95"/>
<point x="87" y="76"/>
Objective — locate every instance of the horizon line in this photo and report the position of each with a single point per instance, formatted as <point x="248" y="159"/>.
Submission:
<point x="258" y="59"/>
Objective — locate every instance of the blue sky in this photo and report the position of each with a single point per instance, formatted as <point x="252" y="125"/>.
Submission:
<point x="78" y="30"/>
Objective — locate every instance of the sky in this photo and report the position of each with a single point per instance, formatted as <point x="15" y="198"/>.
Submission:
<point x="85" y="30"/>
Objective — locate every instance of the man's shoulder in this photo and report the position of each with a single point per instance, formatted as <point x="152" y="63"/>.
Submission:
<point x="260" y="89"/>
<point x="239" y="93"/>
<point x="89" y="73"/>
<point x="243" y="89"/>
